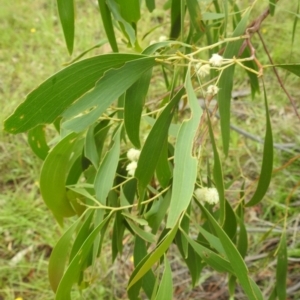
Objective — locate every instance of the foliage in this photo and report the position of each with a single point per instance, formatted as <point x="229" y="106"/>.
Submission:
<point x="98" y="106"/>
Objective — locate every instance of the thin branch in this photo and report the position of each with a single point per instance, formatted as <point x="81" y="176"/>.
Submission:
<point x="277" y="75"/>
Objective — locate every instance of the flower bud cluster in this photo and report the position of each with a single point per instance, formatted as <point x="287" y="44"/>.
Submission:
<point x="216" y="60"/>
<point x="209" y="195"/>
<point x="133" y="155"/>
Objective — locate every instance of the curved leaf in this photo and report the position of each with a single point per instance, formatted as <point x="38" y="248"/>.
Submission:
<point x="293" y="68"/>
<point x="165" y="290"/>
<point x="44" y="104"/>
<point x="236" y="261"/>
<point x="108" y="25"/>
<point x="152" y="148"/>
<point x="54" y="174"/>
<point x="267" y="163"/>
<point x="226" y="82"/>
<point x="128" y="29"/>
<point x="217" y="173"/>
<point x="105" y="92"/>
<point x="59" y="257"/>
<point x="75" y="267"/>
<point x="185" y="164"/>
<point x="37" y="141"/>
<point x="66" y="15"/>
<point x="145" y="265"/>
<point x="134" y="103"/>
<point x="106" y="173"/>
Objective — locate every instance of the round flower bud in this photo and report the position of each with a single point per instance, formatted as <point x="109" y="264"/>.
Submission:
<point x="212" y="90"/>
<point x="131" y="168"/>
<point x="133" y="154"/>
<point x="216" y="60"/>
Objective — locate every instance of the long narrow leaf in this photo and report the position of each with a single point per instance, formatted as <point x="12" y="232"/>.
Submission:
<point x="54" y="175"/>
<point x="165" y="290"/>
<point x="59" y="257"/>
<point x="44" y="104"/>
<point x="226" y="83"/>
<point x="108" y="25"/>
<point x="106" y="173"/>
<point x="152" y="148"/>
<point x="185" y="169"/>
<point x="267" y="164"/>
<point x="66" y="15"/>
<point x="134" y="102"/>
<point x="217" y="173"/>
<point x="74" y="268"/>
<point x="237" y="263"/>
<point x="105" y="92"/>
<point x="146" y="264"/>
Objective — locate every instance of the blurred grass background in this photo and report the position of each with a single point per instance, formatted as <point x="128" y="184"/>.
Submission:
<point x="32" y="48"/>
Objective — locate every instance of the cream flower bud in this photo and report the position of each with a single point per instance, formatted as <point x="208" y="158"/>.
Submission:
<point x="162" y="38"/>
<point x="130" y="168"/>
<point x="133" y="154"/>
<point x="209" y="195"/>
<point x="212" y="90"/>
<point x="216" y="60"/>
<point x="202" y="70"/>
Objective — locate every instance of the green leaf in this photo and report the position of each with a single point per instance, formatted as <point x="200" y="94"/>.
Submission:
<point x="102" y="42"/>
<point x="293" y="68"/>
<point x="175" y="19"/>
<point x="253" y="78"/>
<point x="147" y="236"/>
<point x="173" y="129"/>
<point x="150" y="5"/>
<point x="185" y="164"/>
<point x="195" y="14"/>
<point x="236" y="261"/>
<point x="242" y="244"/>
<point x="74" y="268"/>
<point x="163" y="171"/>
<point x="44" y="104"/>
<point x="130" y="10"/>
<point x="217" y="173"/>
<point x="272" y="5"/>
<point x="295" y="22"/>
<point x="165" y="290"/>
<point x="54" y="174"/>
<point x="230" y="223"/>
<point x="151" y="151"/>
<point x="193" y="260"/>
<point x="213" y="241"/>
<point x="148" y="280"/>
<point x="157" y="212"/>
<point x="105" y="92"/>
<point x="37" y="141"/>
<point x="281" y="269"/>
<point x="83" y="232"/>
<point x="94" y="141"/>
<point x="134" y="218"/>
<point x="211" y="258"/>
<point x="66" y="15"/>
<point x="145" y="265"/>
<point x="226" y="82"/>
<point x="106" y="173"/>
<point x="207" y="16"/>
<point x="128" y="30"/>
<point x="117" y="235"/>
<point x="134" y="103"/>
<point x="108" y="25"/>
<point x="151" y="49"/>
<point x="59" y="256"/>
<point x="267" y="163"/>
